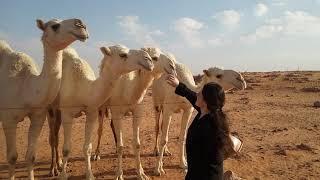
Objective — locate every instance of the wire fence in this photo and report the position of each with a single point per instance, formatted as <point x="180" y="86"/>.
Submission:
<point x="70" y="107"/>
<point x="78" y="136"/>
<point x="147" y="113"/>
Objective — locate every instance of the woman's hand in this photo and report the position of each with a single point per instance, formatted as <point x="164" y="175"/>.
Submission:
<point x="172" y="80"/>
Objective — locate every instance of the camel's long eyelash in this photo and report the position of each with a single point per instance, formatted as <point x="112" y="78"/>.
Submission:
<point x="123" y="55"/>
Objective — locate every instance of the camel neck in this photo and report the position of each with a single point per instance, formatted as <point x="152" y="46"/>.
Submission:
<point x="52" y="66"/>
<point x="103" y="86"/>
<point x="194" y="87"/>
<point x="47" y="84"/>
<point x="144" y="81"/>
<point x="191" y="84"/>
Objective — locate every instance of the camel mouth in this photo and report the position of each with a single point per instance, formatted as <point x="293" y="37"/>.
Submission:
<point x="148" y="68"/>
<point x="80" y="37"/>
<point x="244" y="85"/>
<point x="239" y="85"/>
<point x="242" y="82"/>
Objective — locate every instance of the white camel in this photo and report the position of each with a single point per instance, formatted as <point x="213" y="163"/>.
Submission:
<point x="166" y="103"/>
<point x="127" y="97"/>
<point x="26" y="92"/>
<point x="82" y="92"/>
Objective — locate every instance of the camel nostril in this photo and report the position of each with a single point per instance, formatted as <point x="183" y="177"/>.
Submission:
<point x="239" y="79"/>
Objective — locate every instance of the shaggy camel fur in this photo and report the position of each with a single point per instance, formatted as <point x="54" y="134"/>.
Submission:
<point x="127" y="97"/>
<point x="82" y="92"/>
<point x="25" y="92"/>
<point x="166" y="103"/>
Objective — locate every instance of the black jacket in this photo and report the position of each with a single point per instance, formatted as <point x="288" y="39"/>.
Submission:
<point x="203" y="147"/>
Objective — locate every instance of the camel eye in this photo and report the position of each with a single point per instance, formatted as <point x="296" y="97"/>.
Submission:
<point x="55" y="27"/>
<point x="219" y="76"/>
<point x="154" y="58"/>
<point x="123" y="55"/>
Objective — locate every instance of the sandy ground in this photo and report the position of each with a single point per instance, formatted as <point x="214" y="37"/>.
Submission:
<point x="275" y="117"/>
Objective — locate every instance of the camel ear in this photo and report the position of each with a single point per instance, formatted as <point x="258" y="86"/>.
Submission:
<point x="144" y="49"/>
<point x="206" y="72"/>
<point x="106" y="51"/>
<point x="40" y="24"/>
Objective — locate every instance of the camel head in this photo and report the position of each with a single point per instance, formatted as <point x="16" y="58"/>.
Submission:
<point x="228" y="79"/>
<point x="163" y="63"/>
<point x="124" y="60"/>
<point x="58" y="34"/>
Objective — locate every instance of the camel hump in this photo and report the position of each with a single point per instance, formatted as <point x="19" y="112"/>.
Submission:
<point x="5" y="48"/>
<point x="73" y="63"/>
<point x="171" y="56"/>
<point x="22" y="65"/>
<point x="70" y="53"/>
<point x="16" y="63"/>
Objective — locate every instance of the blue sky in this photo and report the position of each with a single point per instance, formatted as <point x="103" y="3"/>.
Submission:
<point x="246" y="35"/>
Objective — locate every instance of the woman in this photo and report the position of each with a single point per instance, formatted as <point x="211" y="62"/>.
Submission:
<point x="207" y="134"/>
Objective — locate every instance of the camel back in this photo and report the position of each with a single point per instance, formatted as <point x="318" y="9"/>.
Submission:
<point x="15" y="64"/>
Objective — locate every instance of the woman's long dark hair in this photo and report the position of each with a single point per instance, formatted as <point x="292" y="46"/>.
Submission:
<point x="214" y="96"/>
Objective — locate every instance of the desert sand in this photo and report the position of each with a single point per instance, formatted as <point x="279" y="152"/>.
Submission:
<point x="275" y="117"/>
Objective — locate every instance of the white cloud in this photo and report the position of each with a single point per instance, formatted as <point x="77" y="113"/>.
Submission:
<point x="297" y="23"/>
<point x="228" y="18"/>
<point x="157" y="33"/>
<point x="220" y="40"/>
<point x="260" y="9"/>
<point x="189" y="29"/>
<point x="274" y="21"/>
<point x="215" y="41"/>
<point x="301" y="23"/>
<point x="262" y="32"/>
<point x="141" y="34"/>
<point x="279" y="2"/>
